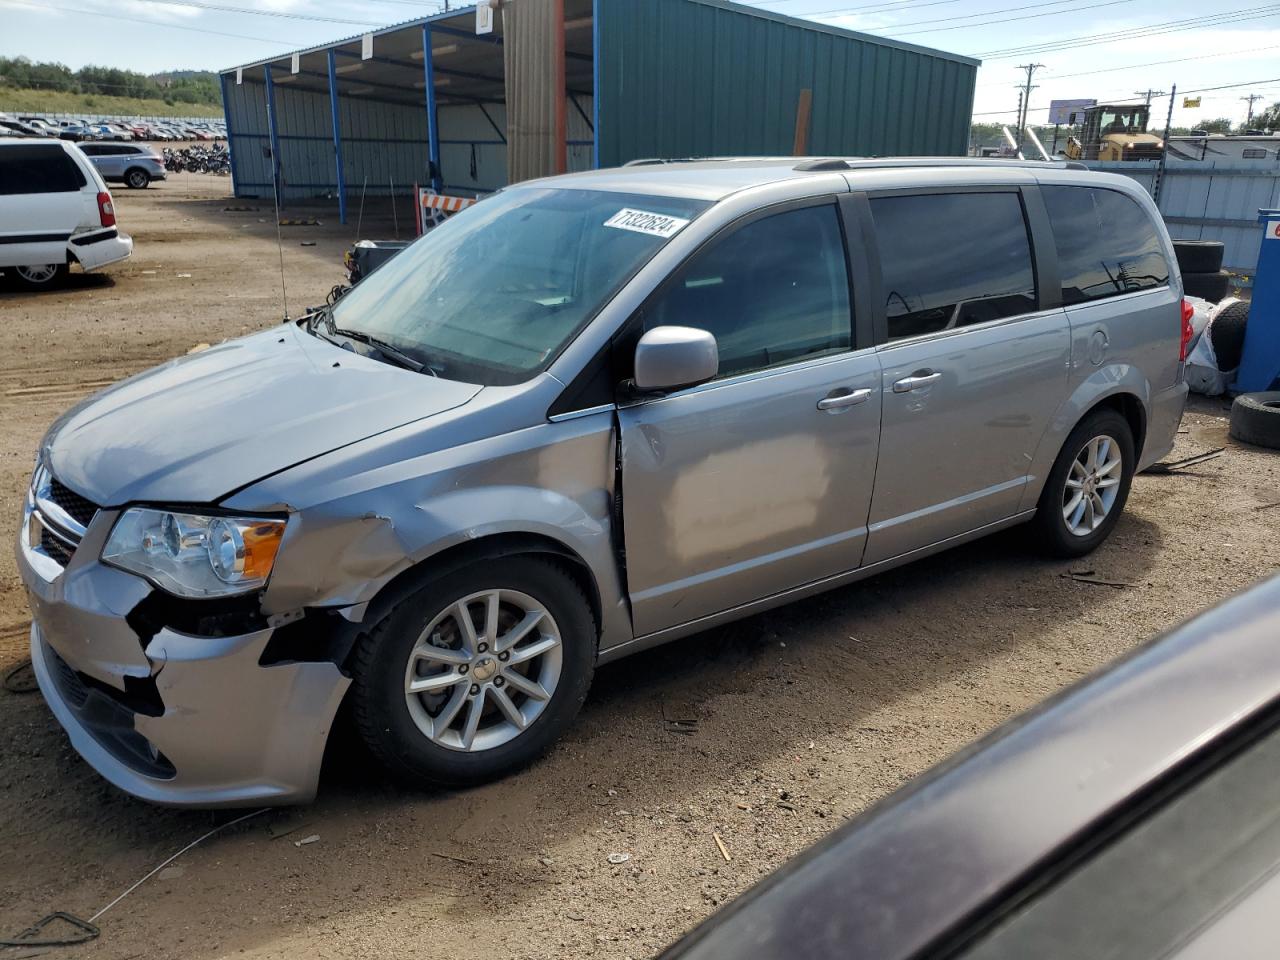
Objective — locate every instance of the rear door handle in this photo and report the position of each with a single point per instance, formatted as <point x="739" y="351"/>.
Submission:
<point x="837" y="401"/>
<point x="919" y="379"/>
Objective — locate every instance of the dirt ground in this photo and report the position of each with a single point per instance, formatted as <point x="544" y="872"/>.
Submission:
<point x="804" y="715"/>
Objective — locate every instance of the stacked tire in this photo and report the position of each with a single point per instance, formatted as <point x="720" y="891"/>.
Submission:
<point x="1255" y="418"/>
<point x="1200" y="262"/>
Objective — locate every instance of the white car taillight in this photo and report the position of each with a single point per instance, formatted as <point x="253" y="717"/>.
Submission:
<point x="106" y="210"/>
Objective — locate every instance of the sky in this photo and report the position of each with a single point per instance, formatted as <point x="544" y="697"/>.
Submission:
<point x="1120" y="47"/>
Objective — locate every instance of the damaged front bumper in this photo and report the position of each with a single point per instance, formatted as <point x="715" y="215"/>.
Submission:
<point x="171" y="717"/>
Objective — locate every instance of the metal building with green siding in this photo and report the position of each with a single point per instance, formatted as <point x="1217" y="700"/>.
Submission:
<point x="433" y="101"/>
<point x="690" y="78"/>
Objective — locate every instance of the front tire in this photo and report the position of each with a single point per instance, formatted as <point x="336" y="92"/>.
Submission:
<point x="1088" y="486"/>
<point x="137" y="179"/>
<point x="477" y="674"/>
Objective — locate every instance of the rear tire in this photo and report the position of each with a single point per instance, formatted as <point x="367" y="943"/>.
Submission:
<point x="1227" y="335"/>
<point x="136" y="179"/>
<point x="1071" y="527"/>
<point x="45" y="277"/>
<point x="1199" y="256"/>
<point x="428" y="737"/>
<point x="1207" y="286"/>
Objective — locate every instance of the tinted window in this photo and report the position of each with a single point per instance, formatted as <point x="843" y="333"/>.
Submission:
<point x="953" y="259"/>
<point x="38" y="168"/>
<point x="1107" y="245"/>
<point x="773" y="291"/>
<point x="94" y="150"/>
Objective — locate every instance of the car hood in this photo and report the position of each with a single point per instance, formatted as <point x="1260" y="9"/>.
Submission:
<point x="204" y="425"/>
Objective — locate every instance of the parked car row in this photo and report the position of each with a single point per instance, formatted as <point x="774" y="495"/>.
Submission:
<point x="77" y="129"/>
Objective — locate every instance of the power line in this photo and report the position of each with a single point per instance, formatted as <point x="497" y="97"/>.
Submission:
<point x="1225" y="86"/>
<point x="201" y="5"/>
<point x="894" y="32"/>
<point x="1148" y="93"/>
<point x="1137" y="66"/>
<point x="167" y="26"/>
<point x="865" y="8"/>
<point x="1150" y="30"/>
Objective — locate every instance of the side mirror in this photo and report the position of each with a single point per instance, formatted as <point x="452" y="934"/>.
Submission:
<point x="672" y="357"/>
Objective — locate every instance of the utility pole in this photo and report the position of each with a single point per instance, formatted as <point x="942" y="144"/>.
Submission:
<point x="1164" y="149"/>
<point x="1019" y="142"/>
<point x="1025" y="104"/>
<point x="1148" y="94"/>
<point x="1252" y="99"/>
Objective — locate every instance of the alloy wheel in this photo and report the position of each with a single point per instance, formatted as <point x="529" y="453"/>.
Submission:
<point x="1092" y="484"/>
<point x="41" y="274"/>
<point x="483" y="670"/>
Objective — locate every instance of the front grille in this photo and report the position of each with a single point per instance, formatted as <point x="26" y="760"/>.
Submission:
<point x="107" y="715"/>
<point x="69" y="683"/>
<point x="77" y="507"/>
<point x="55" y="548"/>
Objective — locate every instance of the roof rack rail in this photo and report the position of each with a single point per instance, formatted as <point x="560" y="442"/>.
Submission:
<point x="828" y="164"/>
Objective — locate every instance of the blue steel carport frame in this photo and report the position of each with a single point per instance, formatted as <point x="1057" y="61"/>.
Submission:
<point x="231" y="139"/>
<point x="272" y="130"/>
<point x="595" y="84"/>
<point x="433" y="129"/>
<point x="337" y="139"/>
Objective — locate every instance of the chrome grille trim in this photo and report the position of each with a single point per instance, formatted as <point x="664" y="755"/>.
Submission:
<point x="54" y="513"/>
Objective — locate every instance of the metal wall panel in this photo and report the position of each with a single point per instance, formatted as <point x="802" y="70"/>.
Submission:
<point x="1212" y="200"/>
<point x="682" y="78"/>
<point x="382" y="143"/>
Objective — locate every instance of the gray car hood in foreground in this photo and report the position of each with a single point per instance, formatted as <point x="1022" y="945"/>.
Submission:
<point x="197" y="428"/>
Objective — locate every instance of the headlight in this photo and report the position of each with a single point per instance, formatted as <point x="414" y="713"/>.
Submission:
<point x="192" y="555"/>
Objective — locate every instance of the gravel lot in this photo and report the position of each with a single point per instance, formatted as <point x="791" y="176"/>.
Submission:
<point x="804" y="715"/>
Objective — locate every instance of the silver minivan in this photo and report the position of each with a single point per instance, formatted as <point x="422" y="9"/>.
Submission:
<point x="588" y="415"/>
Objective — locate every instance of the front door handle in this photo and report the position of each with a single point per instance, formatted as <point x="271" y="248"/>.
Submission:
<point x="838" y="401"/>
<point x="919" y="379"/>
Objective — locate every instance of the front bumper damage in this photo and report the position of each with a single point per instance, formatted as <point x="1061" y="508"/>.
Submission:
<point x="172" y="718"/>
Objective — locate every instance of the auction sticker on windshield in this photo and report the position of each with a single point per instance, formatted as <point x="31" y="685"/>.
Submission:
<point x="641" y="221"/>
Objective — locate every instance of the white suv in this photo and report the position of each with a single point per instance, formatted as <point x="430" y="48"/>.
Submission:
<point x="56" y="211"/>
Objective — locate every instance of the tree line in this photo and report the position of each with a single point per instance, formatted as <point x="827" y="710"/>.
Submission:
<point x="180" y="86"/>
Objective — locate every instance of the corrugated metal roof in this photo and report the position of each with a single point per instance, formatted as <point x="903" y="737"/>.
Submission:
<point x="461" y="13"/>
<point x="468" y="14"/>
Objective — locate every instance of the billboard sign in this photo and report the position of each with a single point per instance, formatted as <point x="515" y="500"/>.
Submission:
<point x="1069" y="112"/>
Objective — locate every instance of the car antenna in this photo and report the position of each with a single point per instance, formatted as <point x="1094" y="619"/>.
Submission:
<point x="284" y="293"/>
<point x="360" y="215"/>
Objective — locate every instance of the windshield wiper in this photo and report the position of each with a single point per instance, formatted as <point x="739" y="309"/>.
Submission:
<point x="396" y="356"/>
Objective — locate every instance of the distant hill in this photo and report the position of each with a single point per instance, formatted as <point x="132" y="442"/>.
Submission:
<point x="45" y="102"/>
<point x="174" y="87"/>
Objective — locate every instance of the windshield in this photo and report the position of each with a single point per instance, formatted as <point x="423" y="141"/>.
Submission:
<point x="1132" y="120"/>
<point x="492" y="295"/>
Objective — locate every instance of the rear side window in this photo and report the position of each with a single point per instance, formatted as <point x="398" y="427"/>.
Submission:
<point x="1107" y="244"/>
<point x="38" y="168"/>
<point x="953" y="259"/>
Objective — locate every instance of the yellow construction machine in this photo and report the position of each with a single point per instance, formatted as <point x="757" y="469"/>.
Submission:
<point x="1115" y="131"/>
